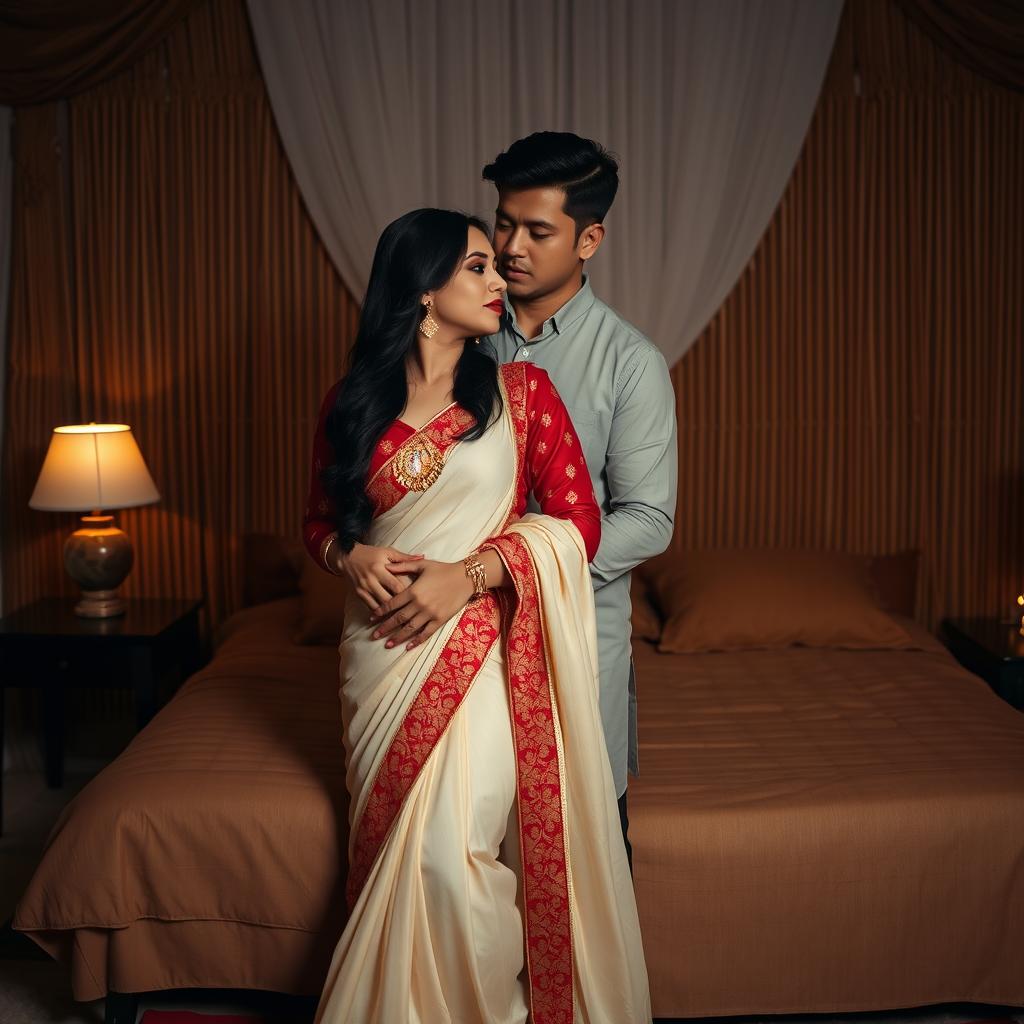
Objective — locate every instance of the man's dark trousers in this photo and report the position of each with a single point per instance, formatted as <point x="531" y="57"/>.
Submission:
<point x="624" y="822"/>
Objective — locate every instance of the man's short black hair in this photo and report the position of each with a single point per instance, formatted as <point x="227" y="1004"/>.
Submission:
<point x="583" y="169"/>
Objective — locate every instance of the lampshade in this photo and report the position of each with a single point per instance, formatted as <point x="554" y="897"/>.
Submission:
<point x="93" y="466"/>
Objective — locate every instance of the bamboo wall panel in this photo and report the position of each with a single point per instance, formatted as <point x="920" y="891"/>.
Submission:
<point x="860" y="387"/>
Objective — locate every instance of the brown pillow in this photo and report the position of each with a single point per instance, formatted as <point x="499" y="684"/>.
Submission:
<point x="737" y="599"/>
<point x="645" y="620"/>
<point x="322" y="607"/>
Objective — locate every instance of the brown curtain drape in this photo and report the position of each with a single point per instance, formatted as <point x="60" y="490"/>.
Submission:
<point x="986" y="35"/>
<point x="858" y="390"/>
<point x="50" y="49"/>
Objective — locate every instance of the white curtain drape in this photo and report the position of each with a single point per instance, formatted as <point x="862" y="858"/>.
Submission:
<point x="386" y="105"/>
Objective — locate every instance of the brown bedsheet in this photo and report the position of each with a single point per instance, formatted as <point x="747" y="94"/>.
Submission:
<point x="826" y="830"/>
<point x="212" y="852"/>
<point x="813" y="831"/>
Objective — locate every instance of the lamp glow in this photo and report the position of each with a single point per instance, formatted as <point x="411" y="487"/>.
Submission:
<point x="90" y="467"/>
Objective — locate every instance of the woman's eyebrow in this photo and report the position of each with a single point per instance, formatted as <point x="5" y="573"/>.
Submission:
<point x="472" y="254"/>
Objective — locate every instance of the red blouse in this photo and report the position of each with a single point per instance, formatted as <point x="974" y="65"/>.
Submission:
<point x="554" y="468"/>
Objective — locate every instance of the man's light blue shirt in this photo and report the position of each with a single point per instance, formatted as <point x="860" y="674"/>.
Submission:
<point x="616" y="386"/>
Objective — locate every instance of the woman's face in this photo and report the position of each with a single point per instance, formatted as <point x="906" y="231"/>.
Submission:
<point x="470" y="304"/>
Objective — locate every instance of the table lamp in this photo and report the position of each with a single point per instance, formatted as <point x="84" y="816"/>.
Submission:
<point x="90" y="467"/>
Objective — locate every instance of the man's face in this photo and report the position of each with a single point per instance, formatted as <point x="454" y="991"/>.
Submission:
<point x="535" y="241"/>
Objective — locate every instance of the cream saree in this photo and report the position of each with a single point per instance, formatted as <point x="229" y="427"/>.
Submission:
<point x="487" y="876"/>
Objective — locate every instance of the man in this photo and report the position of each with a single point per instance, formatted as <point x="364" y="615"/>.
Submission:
<point x="554" y="190"/>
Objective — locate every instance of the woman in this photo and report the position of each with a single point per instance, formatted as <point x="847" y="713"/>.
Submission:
<point x="487" y="876"/>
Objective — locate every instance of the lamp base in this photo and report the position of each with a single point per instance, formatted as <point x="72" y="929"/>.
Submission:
<point x="99" y="604"/>
<point x="98" y="556"/>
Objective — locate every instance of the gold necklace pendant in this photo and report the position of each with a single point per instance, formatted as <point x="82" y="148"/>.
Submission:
<point x="417" y="463"/>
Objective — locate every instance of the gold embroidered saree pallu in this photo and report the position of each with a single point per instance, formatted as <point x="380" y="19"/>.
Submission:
<point x="488" y="880"/>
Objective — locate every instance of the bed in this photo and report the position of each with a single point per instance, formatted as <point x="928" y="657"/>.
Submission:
<point x="814" y="829"/>
<point x="827" y="831"/>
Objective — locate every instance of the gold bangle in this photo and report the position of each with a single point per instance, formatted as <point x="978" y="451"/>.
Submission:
<point x="478" y="574"/>
<point x="325" y="546"/>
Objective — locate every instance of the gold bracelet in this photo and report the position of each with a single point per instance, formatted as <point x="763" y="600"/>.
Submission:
<point x="325" y="546"/>
<point x="478" y="574"/>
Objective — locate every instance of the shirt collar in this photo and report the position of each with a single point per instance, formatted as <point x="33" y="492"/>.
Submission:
<point x="563" y="317"/>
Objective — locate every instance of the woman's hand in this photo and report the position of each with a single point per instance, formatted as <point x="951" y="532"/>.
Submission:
<point x="440" y="590"/>
<point x="371" y="572"/>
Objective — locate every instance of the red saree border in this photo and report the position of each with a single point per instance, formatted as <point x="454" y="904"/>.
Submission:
<point x="425" y="721"/>
<point x="513" y="378"/>
<point x="384" y="489"/>
<point x="540" y="797"/>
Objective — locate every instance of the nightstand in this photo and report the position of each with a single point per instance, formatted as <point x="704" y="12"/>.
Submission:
<point x="990" y="649"/>
<point x="46" y="645"/>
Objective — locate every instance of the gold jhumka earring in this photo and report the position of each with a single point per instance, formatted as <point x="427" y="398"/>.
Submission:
<point x="428" y="325"/>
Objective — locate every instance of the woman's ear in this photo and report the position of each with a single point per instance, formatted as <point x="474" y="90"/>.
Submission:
<point x="427" y="299"/>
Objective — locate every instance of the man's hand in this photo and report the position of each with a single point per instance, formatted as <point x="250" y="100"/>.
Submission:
<point x="371" y="572"/>
<point x="439" y="591"/>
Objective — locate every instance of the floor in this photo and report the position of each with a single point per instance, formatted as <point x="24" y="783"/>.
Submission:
<point x="35" y="990"/>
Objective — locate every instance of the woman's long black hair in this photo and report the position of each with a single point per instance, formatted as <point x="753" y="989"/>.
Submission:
<point x="419" y="252"/>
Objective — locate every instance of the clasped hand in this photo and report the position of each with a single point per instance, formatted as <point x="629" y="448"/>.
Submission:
<point x="410" y="597"/>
